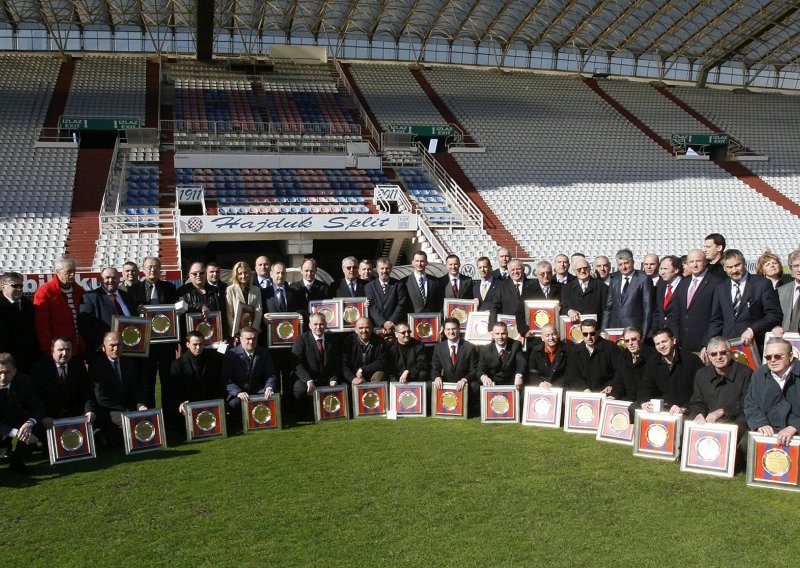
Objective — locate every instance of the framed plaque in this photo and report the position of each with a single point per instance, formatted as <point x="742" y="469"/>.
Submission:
<point x="143" y="431"/>
<point x="352" y="309"/>
<point x="571" y="332"/>
<point x="163" y="323"/>
<point x="709" y="448"/>
<point x="284" y="329"/>
<point x="616" y="425"/>
<point x="70" y="439"/>
<point x="209" y="326"/>
<point x="135" y="333"/>
<point x="616" y="335"/>
<point x="331" y="309"/>
<point x="793" y="338"/>
<point x="205" y="420"/>
<point x="538" y="313"/>
<point x="771" y="465"/>
<point x="459" y="309"/>
<point x="243" y="316"/>
<point x="370" y="399"/>
<point x="262" y="413"/>
<point x="499" y="404"/>
<point x="657" y="435"/>
<point x="409" y="400"/>
<point x="330" y="403"/>
<point x="449" y="402"/>
<point x="478" y="332"/>
<point x="745" y="354"/>
<point x="582" y="411"/>
<point x="542" y="407"/>
<point x="425" y="327"/>
<point x="511" y="325"/>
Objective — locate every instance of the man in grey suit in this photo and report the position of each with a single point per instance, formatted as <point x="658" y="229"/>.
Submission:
<point x="247" y="369"/>
<point x="630" y="297"/>
<point x="788" y="296"/>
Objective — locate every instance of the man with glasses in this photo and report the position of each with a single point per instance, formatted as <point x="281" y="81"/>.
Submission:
<point x="407" y="358"/>
<point x="630" y="365"/>
<point x="349" y="285"/>
<point x="18" y="328"/>
<point x="593" y="362"/>
<point x="56" y="307"/>
<point x="772" y="403"/>
<point x="584" y="295"/>
<point x="201" y="297"/>
<point x="789" y="297"/>
<point x="670" y="375"/>
<point x="719" y="388"/>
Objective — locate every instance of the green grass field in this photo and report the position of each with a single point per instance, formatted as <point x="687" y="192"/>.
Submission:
<point x="373" y="492"/>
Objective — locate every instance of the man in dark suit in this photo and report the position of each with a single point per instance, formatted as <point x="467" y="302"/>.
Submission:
<point x="350" y="285"/>
<point x="62" y="383"/>
<point x="503" y="258"/>
<point x="18" y="330"/>
<point x="247" y="369"/>
<point x="279" y="297"/>
<point x="713" y="249"/>
<point x="261" y="268"/>
<point x="562" y="273"/>
<point x="695" y="297"/>
<point x="593" y="362"/>
<point x="99" y="306"/>
<point x="666" y="312"/>
<point x="422" y="291"/>
<point x="194" y="376"/>
<point x="669" y="375"/>
<point x="154" y="291"/>
<point x="544" y="287"/>
<point x="363" y="355"/>
<point x="547" y="360"/>
<point x="201" y="297"/>
<point x="317" y="362"/>
<point x="788" y="297"/>
<point x="630" y="365"/>
<point x="117" y="388"/>
<point x="387" y="297"/>
<point x="310" y="288"/>
<point x="454" y="284"/>
<point x="21" y="412"/>
<point x="500" y="362"/>
<point x="584" y="295"/>
<point x="454" y="360"/>
<point x="408" y="359"/>
<point x="745" y="305"/>
<point x="515" y="290"/>
<point x="487" y="290"/>
<point x="213" y="277"/>
<point x="630" y="297"/>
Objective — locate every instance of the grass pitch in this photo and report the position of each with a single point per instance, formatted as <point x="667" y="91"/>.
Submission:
<point x="373" y="492"/>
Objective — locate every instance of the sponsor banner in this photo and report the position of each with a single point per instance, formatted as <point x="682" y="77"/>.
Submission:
<point x="314" y="223"/>
<point x="87" y="280"/>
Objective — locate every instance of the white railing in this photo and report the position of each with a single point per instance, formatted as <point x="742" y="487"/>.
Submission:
<point x="433" y="240"/>
<point x="458" y="200"/>
<point x="278" y="128"/>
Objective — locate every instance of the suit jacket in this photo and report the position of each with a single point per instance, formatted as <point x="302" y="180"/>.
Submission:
<point x="413" y="358"/>
<point x="675" y="385"/>
<point x="595" y="371"/>
<point x="389" y="306"/>
<point x="307" y="364"/>
<point x="292" y="299"/>
<point x="317" y="291"/>
<point x="214" y="299"/>
<point x="635" y="309"/>
<point x="20" y="404"/>
<point x="712" y="391"/>
<point x="466" y="362"/>
<point x="71" y="397"/>
<point x="238" y="376"/>
<point x="765" y="404"/>
<point x="501" y="373"/>
<point x="669" y="317"/>
<point x="433" y="296"/>
<point x="97" y="309"/>
<point x="369" y="359"/>
<point x="760" y="309"/>
<point x="493" y="303"/>
<point x="497" y="275"/>
<point x="694" y="319"/>
<point x="111" y="393"/>
<point x="464" y="287"/>
<point x="786" y="300"/>
<point x="539" y="366"/>
<point x="513" y="300"/>
<point x="593" y="301"/>
<point x="18" y="332"/>
<point x="531" y="290"/>
<point x="167" y="293"/>
<point x="54" y="317"/>
<point x="195" y="378"/>
<point x="340" y="289"/>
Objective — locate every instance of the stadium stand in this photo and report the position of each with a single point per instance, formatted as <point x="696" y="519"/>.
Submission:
<point x="108" y="86"/>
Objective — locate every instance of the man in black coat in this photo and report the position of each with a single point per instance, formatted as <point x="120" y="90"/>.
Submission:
<point x="194" y="376"/>
<point x="593" y="362"/>
<point x="584" y="295"/>
<point x="309" y="287"/>
<point x="454" y="360"/>
<point x="454" y="284"/>
<point x="201" y="297"/>
<point x="21" y="412"/>
<point x="387" y="298"/>
<point x="695" y="297"/>
<point x="62" y="383"/>
<point x="317" y="362"/>
<point x="669" y="375"/>
<point x="363" y="355"/>
<point x="500" y="362"/>
<point x="488" y="290"/>
<point x="630" y="365"/>
<point x="547" y="360"/>
<point x="422" y="291"/>
<point x="408" y="359"/>
<point x="99" y="306"/>
<point x="18" y="328"/>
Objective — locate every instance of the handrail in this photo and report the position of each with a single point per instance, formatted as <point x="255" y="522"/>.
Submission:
<point x="110" y="178"/>
<point x="227" y="127"/>
<point x="374" y="132"/>
<point x="432" y="238"/>
<point x="448" y="186"/>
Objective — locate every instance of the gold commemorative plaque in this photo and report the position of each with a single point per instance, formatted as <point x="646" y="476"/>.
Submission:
<point x="576" y="334"/>
<point x="285" y="330"/>
<point x="424" y="329"/>
<point x="500" y="404"/>
<point x="541" y="318"/>
<point x="619" y="421"/>
<point x="739" y="357"/>
<point x="206" y="421"/>
<point x="449" y="401"/>
<point x="144" y="431"/>
<point x="657" y="435"/>
<point x="708" y="448"/>
<point x="542" y="406"/>
<point x="331" y="403"/>
<point x="328" y="314"/>
<point x="584" y="413"/>
<point x="407" y="399"/>
<point x="261" y="414"/>
<point x="161" y="324"/>
<point x="131" y="336"/>
<point x="776" y="462"/>
<point x="351" y="314"/>
<point x="459" y="314"/>
<point x="206" y="329"/>
<point x="71" y="440"/>
<point x="371" y="400"/>
<point x="513" y="332"/>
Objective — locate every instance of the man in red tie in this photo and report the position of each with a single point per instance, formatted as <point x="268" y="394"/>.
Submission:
<point x="453" y="360"/>
<point x="99" y="306"/>
<point x="317" y="362"/>
<point x="666" y="313"/>
<point x="454" y="284"/>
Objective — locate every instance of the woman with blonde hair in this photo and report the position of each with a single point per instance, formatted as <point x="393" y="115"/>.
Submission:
<point x="241" y="289"/>
<point x="769" y="266"/>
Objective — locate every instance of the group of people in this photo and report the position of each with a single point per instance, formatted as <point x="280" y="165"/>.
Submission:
<point x="59" y="357"/>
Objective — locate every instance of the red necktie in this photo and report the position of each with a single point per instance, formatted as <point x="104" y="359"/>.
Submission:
<point x="116" y="304"/>
<point x="453" y="355"/>
<point x="455" y="287"/>
<point x="668" y="296"/>
<point x="321" y="350"/>
<point x="502" y="357"/>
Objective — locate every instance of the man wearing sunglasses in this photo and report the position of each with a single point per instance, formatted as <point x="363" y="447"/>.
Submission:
<point x="772" y="403"/>
<point x="719" y="388"/>
<point x="592" y="363"/>
<point x="630" y="365"/>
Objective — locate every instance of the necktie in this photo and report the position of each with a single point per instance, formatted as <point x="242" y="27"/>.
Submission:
<point x="484" y="286"/>
<point x="519" y="288"/>
<point x="502" y="357"/>
<point x="692" y="290"/>
<point x="249" y="363"/>
<point x="117" y="369"/>
<point x="281" y="302"/>
<point x="667" y="296"/>
<point x="453" y="355"/>
<point x="422" y="289"/>
<point x="546" y="291"/>
<point x="117" y="307"/>
<point x="18" y="305"/>
<point x="321" y="351"/>
<point x="153" y="293"/>
<point x="353" y="287"/>
<point x="624" y="287"/>
<point x="737" y="299"/>
<point x="62" y="374"/>
<point x="455" y="287"/>
<point x="384" y="287"/>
